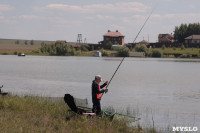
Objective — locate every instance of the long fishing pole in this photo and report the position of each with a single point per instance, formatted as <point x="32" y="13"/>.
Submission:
<point x="133" y="42"/>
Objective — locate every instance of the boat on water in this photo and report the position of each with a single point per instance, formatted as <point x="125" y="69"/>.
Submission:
<point x="21" y="54"/>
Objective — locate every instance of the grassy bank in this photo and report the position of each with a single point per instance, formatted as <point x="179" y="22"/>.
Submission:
<point x="36" y="114"/>
<point x="186" y="51"/>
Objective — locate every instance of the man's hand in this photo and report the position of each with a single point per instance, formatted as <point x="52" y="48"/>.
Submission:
<point x="106" y="82"/>
<point x="105" y="90"/>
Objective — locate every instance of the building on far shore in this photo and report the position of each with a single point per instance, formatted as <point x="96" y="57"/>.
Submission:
<point x="113" y="37"/>
<point x="194" y="39"/>
<point x="166" y="38"/>
<point x="144" y="42"/>
<point x="60" y="41"/>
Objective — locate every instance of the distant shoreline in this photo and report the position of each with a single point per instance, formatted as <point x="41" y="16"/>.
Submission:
<point x="14" y="47"/>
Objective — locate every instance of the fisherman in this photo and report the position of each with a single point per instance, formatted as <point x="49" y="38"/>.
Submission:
<point x="97" y="93"/>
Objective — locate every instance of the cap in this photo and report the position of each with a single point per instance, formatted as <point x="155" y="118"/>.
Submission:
<point x="98" y="77"/>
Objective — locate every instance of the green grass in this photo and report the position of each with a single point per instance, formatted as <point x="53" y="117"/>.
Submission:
<point x="8" y="46"/>
<point x="179" y="51"/>
<point x="32" y="114"/>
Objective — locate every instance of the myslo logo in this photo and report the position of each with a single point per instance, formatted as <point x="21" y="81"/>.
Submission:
<point x="185" y="129"/>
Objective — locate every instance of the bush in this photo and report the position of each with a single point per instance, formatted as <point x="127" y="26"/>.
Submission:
<point x="92" y="48"/>
<point x="17" y="42"/>
<point x="104" y="53"/>
<point x="185" y="56"/>
<point x="141" y="48"/>
<point x="4" y="53"/>
<point x="163" y="47"/>
<point x="84" y="47"/>
<point x="109" y="45"/>
<point x="156" y="53"/>
<point x="36" y="51"/>
<point x="123" y="51"/>
<point x="15" y="53"/>
<point x="182" y="47"/>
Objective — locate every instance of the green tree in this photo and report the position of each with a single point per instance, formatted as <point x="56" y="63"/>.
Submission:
<point x="163" y="47"/>
<point x="42" y="43"/>
<point x="156" y="53"/>
<point x="92" y="48"/>
<point x="32" y="42"/>
<point x="84" y="47"/>
<point x="15" y="53"/>
<point x="185" y="30"/>
<point x="17" y="42"/>
<point x="141" y="48"/>
<point x="182" y="47"/>
<point x="104" y="53"/>
<point x="109" y="45"/>
<point x="26" y="42"/>
<point x="123" y="51"/>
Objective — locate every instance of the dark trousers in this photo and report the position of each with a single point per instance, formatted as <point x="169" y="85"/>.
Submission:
<point x="96" y="107"/>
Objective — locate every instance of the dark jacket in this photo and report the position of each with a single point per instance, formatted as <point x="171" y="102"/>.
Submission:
<point x="95" y="91"/>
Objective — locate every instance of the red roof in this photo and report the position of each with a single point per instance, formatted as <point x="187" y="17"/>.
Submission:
<point x="113" y="34"/>
<point x="144" y="42"/>
<point x="163" y="35"/>
<point x="194" y="37"/>
<point x="61" y="41"/>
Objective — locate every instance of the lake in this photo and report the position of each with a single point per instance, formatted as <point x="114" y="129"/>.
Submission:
<point x="163" y="91"/>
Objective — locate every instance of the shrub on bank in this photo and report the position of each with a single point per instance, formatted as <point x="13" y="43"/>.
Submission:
<point x="156" y="53"/>
<point x="15" y="53"/>
<point x="141" y="48"/>
<point x="104" y="53"/>
<point x="123" y="51"/>
<point x="185" y="56"/>
<point x="4" y="53"/>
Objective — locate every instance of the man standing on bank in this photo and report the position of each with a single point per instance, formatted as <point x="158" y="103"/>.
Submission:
<point x="97" y="93"/>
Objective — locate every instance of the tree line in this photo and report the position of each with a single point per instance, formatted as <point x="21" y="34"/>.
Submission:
<point x="185" y="30"/>
<point x="62" y="49"/>
<point x="25" y="42"/>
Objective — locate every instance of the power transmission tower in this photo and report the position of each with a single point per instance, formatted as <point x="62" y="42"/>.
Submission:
<point x="79" y="39"/>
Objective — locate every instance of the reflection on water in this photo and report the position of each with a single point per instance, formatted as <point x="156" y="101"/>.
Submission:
<point x="165" y="91"/>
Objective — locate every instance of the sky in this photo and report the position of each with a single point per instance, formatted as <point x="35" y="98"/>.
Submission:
<point x="65" y="19"/>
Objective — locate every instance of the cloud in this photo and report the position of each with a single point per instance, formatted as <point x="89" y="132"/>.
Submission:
<point x="125" y="7"/>
<point x="163" y="19"/>
<point x="89" y="18"/>
<point x="105" y="17"/>
<point x="117" y="27"/>
<point x="64" y="7"/>
<point x="29" y="17"/>
<point x="181" y="16"/>
<point x="1" y="17"/>
<point x="182" y="0"/>
<point x="6" y="8"/>
<point x="62" y="21"/>
<point x="192" y="6"/>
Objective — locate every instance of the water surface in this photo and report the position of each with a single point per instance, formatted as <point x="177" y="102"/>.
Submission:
<point x="165" y="89"/>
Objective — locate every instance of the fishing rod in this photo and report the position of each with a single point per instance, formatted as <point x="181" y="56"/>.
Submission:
<point x="133" y="42"/>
